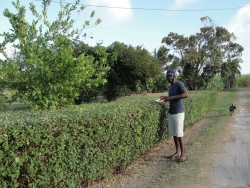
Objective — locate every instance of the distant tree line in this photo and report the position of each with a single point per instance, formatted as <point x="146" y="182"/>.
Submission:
<point x="53" y="67"/>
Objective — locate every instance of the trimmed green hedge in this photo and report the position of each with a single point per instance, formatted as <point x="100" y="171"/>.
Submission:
<point x="198" y="104"/>
<point x="72" y="147"/>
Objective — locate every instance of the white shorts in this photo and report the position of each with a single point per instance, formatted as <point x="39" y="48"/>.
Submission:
<point x="176" y="124"/>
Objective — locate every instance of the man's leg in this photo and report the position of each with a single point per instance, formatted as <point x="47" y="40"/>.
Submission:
<point x="183" y="156"/>
<point x="177" y="145"/>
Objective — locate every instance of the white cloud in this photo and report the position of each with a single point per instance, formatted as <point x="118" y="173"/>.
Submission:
<point x="240" y="26"/>
<point x="112" y="16"/>
<point x="178" y="4"/>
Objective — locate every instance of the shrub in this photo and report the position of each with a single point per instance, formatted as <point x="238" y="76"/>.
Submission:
<point x="72" y="147"/>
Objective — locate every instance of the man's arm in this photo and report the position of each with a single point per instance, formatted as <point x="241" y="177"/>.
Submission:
<point x="183" y="95"/>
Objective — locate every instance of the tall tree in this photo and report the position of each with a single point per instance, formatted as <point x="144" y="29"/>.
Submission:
<point x="228" y="72"/>
<point x="163" y="56"/>
<point x="200" y="57"/>
<point x="47" y="74"/>
<point x="98" y="53"/>
<point x="133" y="65"/>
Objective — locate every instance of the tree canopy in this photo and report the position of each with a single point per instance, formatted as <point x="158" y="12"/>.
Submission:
<point x="99" y="53"/>
<point x="45" y="73"/>
<point x="134" y="65"/>
<point x="200" y="57"/>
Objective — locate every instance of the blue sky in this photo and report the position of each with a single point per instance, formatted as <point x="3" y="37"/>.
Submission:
<point x="146" y="22"/>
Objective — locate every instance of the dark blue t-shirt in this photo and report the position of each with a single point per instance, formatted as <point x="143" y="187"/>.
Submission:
<point x="176" y="106"/>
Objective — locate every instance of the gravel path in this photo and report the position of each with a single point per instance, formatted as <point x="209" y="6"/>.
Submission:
<point x="232" y="169"/>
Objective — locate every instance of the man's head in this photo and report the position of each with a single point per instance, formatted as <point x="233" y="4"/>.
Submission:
<point x="170" y="74"/>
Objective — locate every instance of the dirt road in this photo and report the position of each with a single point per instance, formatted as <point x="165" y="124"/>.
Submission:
<point x="232" y="169"/>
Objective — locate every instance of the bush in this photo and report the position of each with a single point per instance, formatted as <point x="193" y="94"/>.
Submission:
<point x="215" y="84"/>
<point x="72" y="147"/>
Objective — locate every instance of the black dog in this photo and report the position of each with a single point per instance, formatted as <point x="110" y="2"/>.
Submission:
<point x="231" y="109"/>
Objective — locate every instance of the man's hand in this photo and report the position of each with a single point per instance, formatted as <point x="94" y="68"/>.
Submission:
<point x="168" y="98"/>
<point x="162" y="97"/>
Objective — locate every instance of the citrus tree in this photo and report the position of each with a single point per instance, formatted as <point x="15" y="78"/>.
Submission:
<point x="45" y="73"/>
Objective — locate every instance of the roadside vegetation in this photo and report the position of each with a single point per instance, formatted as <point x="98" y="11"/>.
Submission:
<point x="217" y="84"/>
<point x="243" y="81"/>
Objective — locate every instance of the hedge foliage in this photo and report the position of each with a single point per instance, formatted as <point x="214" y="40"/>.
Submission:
<point x="198" y="104"/>
<point x="72" y="147"/>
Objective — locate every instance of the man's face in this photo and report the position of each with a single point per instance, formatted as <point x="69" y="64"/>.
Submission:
<point x="170" y="78"/>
